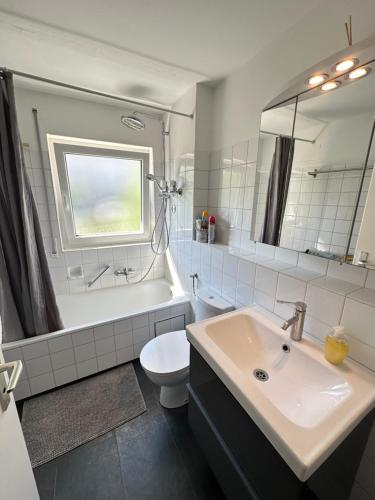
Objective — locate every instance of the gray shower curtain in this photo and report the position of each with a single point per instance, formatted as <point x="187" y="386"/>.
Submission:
<point x="278" y="185"/>
<point x="27" y="301"/>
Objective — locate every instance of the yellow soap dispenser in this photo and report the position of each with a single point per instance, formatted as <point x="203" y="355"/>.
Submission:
<point x="336" y="346"/>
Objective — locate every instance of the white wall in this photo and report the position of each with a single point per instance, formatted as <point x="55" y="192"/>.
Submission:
<point x="239" y="99"/>
<point x="80" y="118"/>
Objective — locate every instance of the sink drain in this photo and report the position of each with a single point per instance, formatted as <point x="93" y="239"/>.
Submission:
<point x="260" y="374"/>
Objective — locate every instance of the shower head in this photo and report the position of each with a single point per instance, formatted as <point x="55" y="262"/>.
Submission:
<point x="152" y="178"/>
<point x="131" y="121"/>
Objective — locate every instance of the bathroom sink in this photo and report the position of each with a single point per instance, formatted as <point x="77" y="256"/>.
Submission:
<point x="304" y="390"/>
<point x="304" y="405"/>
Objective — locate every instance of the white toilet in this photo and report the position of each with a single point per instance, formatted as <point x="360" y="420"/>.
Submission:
<point x="166" y="358"/>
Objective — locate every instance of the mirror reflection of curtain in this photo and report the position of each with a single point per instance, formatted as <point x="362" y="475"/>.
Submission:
<point x="277" y="192"/>
<point x="27" y="300"/>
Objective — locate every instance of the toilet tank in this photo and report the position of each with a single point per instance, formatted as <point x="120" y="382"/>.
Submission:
<point x="208" y="304"/>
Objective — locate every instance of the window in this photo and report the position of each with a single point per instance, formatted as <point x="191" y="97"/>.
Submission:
<point x="100" y="193"/>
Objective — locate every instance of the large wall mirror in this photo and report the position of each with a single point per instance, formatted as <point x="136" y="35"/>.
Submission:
<point x="315" y="190"/>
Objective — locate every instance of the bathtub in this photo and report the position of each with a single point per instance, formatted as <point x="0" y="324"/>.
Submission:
<point x="105" y="303"/>
<point x="103" y="328"/>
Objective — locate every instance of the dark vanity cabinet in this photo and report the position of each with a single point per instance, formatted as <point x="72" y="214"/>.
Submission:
<point x="244" y="462"/>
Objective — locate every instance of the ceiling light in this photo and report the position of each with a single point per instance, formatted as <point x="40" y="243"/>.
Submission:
<point x="358" y="73"/>
<point x="330" y="85"/>
<point x="317" y="79"/>
<point x="346" y="64"/>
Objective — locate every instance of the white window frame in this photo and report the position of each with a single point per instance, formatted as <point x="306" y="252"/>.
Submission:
<point x="58" y="146"/>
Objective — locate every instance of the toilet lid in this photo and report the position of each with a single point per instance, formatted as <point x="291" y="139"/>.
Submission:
<point x="166" y="353"/>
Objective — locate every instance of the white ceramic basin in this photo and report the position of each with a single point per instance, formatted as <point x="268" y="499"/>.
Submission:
<point x="303" y="389"/>
<point x="307" y="406"/>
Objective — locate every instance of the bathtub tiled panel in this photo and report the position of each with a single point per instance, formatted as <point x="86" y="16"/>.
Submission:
<point x="69" y="356"/>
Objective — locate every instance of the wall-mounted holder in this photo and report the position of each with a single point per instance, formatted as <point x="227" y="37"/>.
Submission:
<point x="75" y="272"/>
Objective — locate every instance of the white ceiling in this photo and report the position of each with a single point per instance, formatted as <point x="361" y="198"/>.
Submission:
<point x="146" y="48"/>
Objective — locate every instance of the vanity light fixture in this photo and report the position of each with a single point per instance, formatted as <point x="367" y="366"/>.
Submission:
<point x="359" y="73"/>
<point x="346" y="64"/>
<point x="317" y="79"/>
<point x="330" y="85"/>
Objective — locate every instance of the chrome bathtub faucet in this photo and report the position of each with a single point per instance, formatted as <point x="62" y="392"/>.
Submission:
<point x="297" y="321"/>
<point x="126" y="271"/>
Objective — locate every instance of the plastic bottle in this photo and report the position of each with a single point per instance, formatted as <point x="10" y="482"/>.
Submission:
<point x="204" y="219"/>
<point x="336" y="347"/>
<point x="211" y="229"/>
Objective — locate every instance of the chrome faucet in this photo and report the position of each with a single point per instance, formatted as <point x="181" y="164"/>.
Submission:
<point x="297" y="321"/>
<point x="126" y="271"/>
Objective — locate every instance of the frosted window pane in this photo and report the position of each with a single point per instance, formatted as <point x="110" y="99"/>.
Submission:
<point x="106" y="194"/>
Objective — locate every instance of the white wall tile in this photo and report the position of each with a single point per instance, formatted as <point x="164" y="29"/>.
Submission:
<point x="140" y="321"/>
<point x="122" y="326"/>
<point x="244" y="294"/>
<point x="229" y="288"/>
<point x="217" y="258"/>
<point x="104" y="346"/>
<point x="358" y="320"/>
<point x="246" y="272"/>
<point x="13" y="354"/>
<point x="42" y="383"/>
<point x="62" y="358"/>
<point x="264" y="300"/>
<point x="312" y="263"/>
<point x="85" y="352"/>
<point x="86" y="368"/>
<point x="266" y="281"/>
<point x="124" y="340"/>
<point x="285" y="255"/>
<point x="35" y="350"/>
<point x="107" y="361"/>
<point x="352" y="274"/>
<point x="65" y="375"/>
<point x="60" y="343"/>
<point x="324" y="305"/>
<point x="125" y="355"/>
<point x="38" y="366"/>
<point x="316" y="328"/>
<point x="265" y="250"/>
<point x="230" y="265"/>
<point x="178" y="323"/>
<point x="103" y="331"/>
<point x="161" y="327"/>
<point x="141" y="334"/>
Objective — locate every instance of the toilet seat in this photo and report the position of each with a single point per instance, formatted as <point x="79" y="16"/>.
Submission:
<point x="166" y="354"/>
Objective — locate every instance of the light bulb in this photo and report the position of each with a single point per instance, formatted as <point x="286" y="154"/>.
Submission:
<point x="346" y="64"/>
<point x="317" y="79"/>
<point x="330" y="85"/>
<point x="358" y="73"/>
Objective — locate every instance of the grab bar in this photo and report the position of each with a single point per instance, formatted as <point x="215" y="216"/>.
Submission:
<point x="90" y="283"/>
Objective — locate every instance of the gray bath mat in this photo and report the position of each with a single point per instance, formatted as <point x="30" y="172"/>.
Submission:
<point x="58" y="421"/>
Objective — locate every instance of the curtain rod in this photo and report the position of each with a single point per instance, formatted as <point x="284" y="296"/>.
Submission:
<point x="94" y="92"/>
<point x="316" y="172"/>
<point x="283" y="135"/>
